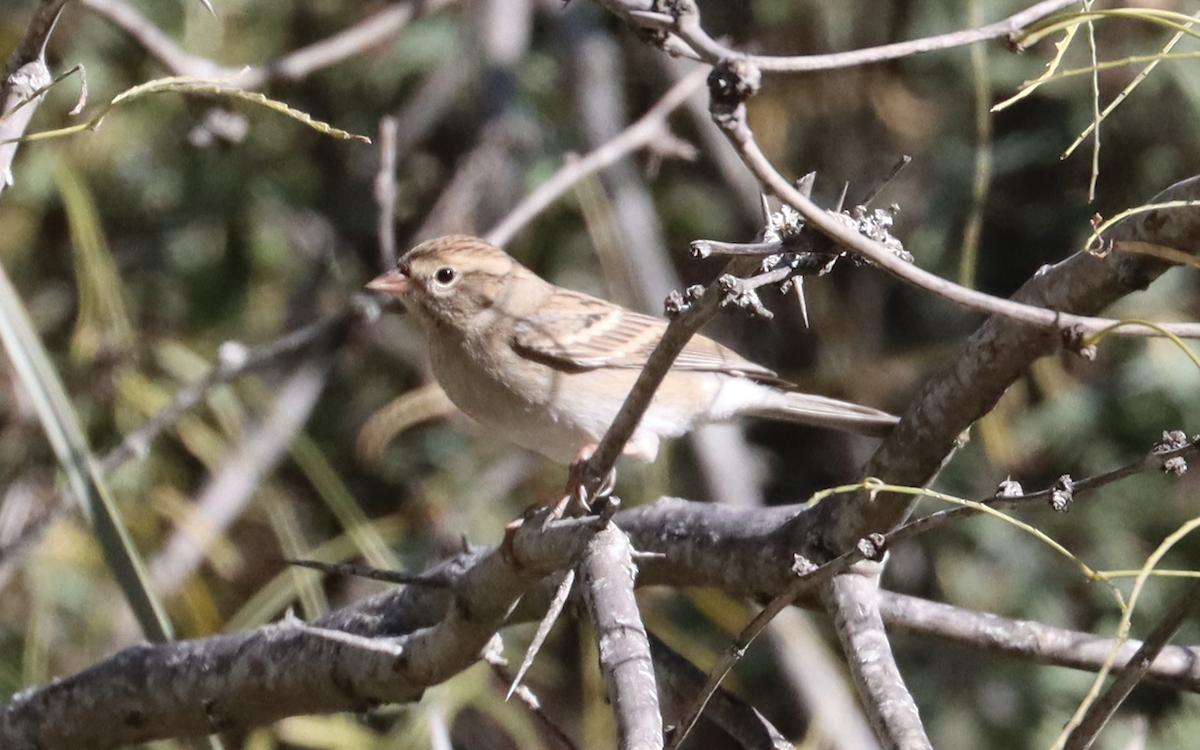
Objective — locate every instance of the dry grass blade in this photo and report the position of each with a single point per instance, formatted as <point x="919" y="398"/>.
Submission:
<point x="62" y="426"/>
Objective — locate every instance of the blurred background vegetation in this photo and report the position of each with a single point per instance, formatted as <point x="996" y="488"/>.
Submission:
<point x="140" y="248"/>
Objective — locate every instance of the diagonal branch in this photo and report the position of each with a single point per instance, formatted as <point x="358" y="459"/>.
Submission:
<point x="1134" y="671"/>
<point x="296" y="65"/>
<point x="607" y="575"/>
<point x="233" y="361"/>
<point x="853" y="599"/>
<point x="1175" y="667"/>
<point x="249" y="679"/>
<point x="650" y="126"/>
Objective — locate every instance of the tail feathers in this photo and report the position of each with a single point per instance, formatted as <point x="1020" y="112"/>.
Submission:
<point x="821" y="411"/>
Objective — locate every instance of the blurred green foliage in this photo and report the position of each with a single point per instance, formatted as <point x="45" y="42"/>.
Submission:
<point x="143" y="246"/>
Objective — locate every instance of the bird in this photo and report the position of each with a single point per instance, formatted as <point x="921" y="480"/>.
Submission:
<point x="548" y="368"/>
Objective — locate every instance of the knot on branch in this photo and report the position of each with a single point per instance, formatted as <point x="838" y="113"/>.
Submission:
<point x="1172" y="441"/>
<point x="743" y="294"/>
<point x="1009" y="488"/>
<point x="872" y="547"/>
<point x="1176" y="465"/>
<point x="676" y="9"/>
<point x="876" y="224"/>
<point x="678" y="302"/>
<point x="731" y="82"/>
<point x="1075" y="340"/>
<point x="802" y="566"/>
<point x="1062" y="494"/>
<point x="653" y="26"/>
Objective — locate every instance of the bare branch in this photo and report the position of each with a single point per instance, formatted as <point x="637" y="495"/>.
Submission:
<point x="1134" y="671"/>
<point x="697" y="311"/>
<point x="249" y="679"/>
<point x="651" y="125"/>
<point x="683" y="22"/>
<point x="234" y="360"/>
<point x="253" y="678"/>
<point x="1177" y="229"/>
<point x="557" y="737"/>
<point x="1156" y="460"/>
<point x="32" y="46"/>
<point x="853" y="599"/>
<point x="678" y="683"/>
<point x="355" y="40"/>
<point x="1177" y="667"/>
<point x="999" y="351"/>
<point x="607" y="576"/>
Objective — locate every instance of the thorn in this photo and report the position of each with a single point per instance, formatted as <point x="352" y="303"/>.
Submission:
<point x="798" y="285"/>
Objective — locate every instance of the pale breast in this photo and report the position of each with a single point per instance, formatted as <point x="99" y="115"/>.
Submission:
<point x="520" y="401"/>
<point x="557" y="413"/>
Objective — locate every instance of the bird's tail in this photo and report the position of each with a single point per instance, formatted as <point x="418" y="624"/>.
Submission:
<point x="821" y="411"/>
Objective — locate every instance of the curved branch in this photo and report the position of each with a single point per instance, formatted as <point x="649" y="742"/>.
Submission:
<point x="685" y="25"/>
<point x="350" y="42"/>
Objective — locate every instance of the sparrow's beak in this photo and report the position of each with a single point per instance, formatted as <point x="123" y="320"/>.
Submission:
<point x="392" y="282"/>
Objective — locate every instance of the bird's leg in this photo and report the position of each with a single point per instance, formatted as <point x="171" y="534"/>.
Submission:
<point x="577" y="495"/>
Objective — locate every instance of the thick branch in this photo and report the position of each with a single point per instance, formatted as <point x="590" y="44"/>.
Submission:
<point x="253" y="678"/>
<point x="853" y="598"/>
<point x="249" y="679"/>
<point x="607" y="577"/>
<point x="999" y="353"/>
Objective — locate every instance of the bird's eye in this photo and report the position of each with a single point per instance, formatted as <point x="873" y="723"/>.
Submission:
<point x="444" y="275"/>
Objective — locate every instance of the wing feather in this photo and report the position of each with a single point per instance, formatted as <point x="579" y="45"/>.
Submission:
<point x="575" y="331"/>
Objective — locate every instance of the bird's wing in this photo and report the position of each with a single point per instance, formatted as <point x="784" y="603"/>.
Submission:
<point x="575" y="331"/>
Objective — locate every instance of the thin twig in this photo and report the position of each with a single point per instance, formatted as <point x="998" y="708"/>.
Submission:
<point x="678" y="682"/>
<point x="561" y="595"/>
<point x="1134" y="671"/>
<point x="685" y="25"/>
<point x="638" y="135"/>
<point x="372" y="573"/>
<point x="743" y="140"/>
<point x="528" y="698"/>
<point x="233" y="360"/>
<point x="385" y="192"/>
<point x="1156" y="460"/>
<point x="350" y="42"/>
<point x="679" y="331"/>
